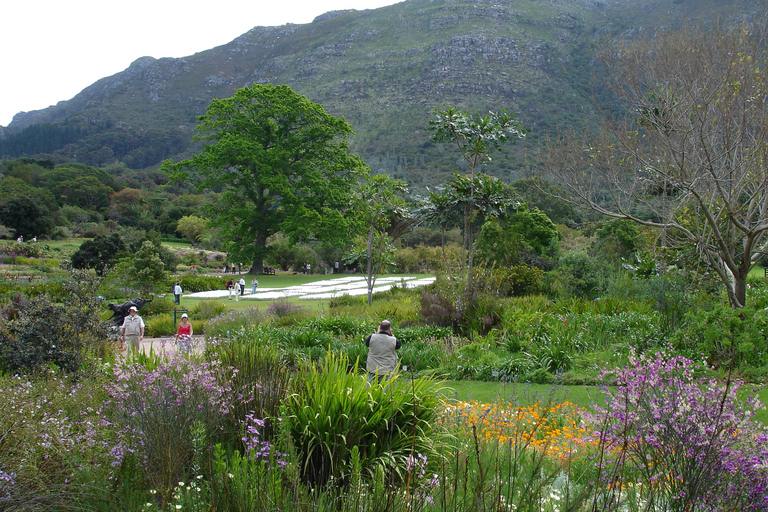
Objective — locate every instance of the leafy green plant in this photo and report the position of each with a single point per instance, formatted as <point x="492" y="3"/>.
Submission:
<point x="196" y="283"/>
<point x="330" y="410"/>
<point x="50" y="335"/>
<point x="206" y="309"/>
<point x="262" y="377"/>
<point x="725" y="336"/>
<point x="344" y="325"/>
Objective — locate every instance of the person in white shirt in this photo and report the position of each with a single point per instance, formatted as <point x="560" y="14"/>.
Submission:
<point x="133" y="329"/>
<point x="177" y="292"/>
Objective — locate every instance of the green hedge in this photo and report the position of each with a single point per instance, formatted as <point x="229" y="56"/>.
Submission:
<point x="196" y="283"/>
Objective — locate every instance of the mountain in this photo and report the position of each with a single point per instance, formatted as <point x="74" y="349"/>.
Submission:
<point x="383" y="70"/>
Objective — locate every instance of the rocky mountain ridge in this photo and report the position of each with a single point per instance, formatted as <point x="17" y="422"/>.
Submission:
<point x="383" y="70"/>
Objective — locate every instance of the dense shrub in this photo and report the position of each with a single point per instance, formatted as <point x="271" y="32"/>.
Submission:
<point x="439" y="309"/>
<point x="511" y="281"/>
<point x="53" y="440"/>
<point x="676" y="442"/>
<point x="206" y="309"/>
<point x="725" y="336"/>
<point x="50" y="334"/>
<point x="155" y="411"/>
<point x="234" y="322"/>
<point x="157" y="306"/>
<point x="162" y="325"/>
<point x="424" y="259"/>
<point x="577" y="275"/>
<point x="99" y="253"/>
<point x="29" y="250"/>
<point x="196" y="283"/>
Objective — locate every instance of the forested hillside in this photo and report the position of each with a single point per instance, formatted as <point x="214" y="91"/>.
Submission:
<point x="383" y="70"/>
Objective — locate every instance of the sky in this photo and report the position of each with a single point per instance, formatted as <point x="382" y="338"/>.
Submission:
<point x="50" y="50"/>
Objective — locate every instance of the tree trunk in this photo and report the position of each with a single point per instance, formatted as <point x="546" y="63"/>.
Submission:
<point x="737" y="293"/>
<point x="258" y="263"/>
<point x="369" y="266"/>
<point x="442" y="245"/>
<point x="257" y="267"/>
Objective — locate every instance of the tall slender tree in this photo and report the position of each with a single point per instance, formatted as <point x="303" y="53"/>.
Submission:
<point x="381" y="210"/>
<point x="476" y="137"/>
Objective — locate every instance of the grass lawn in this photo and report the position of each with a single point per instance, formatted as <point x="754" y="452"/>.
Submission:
<point x="180" y="245"/>
<point x="314" y="305"/>
<point x="582" y="396"/>
<point x="69" y="244"/>
<point x="524" y="394"/>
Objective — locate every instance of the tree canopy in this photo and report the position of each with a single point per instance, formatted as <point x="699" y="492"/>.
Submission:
<point x="690" y="158"/>
<point x="282" y="165"/>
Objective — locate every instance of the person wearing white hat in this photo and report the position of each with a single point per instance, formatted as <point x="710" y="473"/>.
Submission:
<point x="133" y="329"/>
<point x="184" y="333"/>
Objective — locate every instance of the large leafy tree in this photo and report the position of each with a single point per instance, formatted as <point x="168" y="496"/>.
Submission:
<point x="282" y="165"/>
<point x="27" y="210"/>
<point x="98" y="253"/>
<point x="690" y="159"/>
<point x="525" y="236"/>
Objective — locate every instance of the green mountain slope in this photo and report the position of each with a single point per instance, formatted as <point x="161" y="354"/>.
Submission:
<point x="384" y="70"/>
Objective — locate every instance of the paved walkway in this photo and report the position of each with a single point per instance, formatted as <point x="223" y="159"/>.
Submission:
<point x="160" y="345"/>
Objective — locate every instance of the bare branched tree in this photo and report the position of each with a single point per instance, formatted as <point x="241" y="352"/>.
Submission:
<point x="690" y="156"/>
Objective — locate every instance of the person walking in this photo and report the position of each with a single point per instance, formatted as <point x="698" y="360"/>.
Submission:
<point x="177" y="291"/>
<point x="237" y="290"/>
<point x="382" y="358"/>
<point x="184" y="333"/>
<point x="133" y="330"/>
<point x="242" y="286"/>
<point x="254" y="285"/>
<point x="230" y="288"/>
